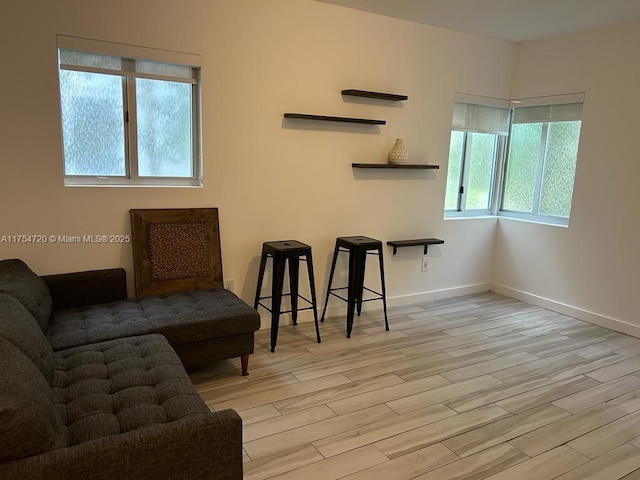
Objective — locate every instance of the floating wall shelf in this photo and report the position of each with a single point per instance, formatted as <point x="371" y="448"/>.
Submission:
<point x="414" y="243"/>
<point x="378" y="95"/>
<point x="407" y="166"/>
<point x="305" y="116"/>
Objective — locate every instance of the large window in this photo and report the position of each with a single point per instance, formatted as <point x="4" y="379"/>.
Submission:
<point x="541" y="163"/>
<point x="130" y="115"/>
<point x="532" y="178"/>
<point x="477" y="143"/>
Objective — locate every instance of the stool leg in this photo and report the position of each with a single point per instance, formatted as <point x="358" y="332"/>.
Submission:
<point x="276" y="297"/>
<point x="360" y="286"/>
<point x="333" y="269"/>
<point x="294" y="275"/>
<point x="312" y="285"/>
<point x="384" y="291"/>
<point x="263" y="263"/>
<point x="356" y="276"/>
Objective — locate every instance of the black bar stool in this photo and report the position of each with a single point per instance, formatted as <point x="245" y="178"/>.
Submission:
<point x="358" y="249"/>
<point x="281" y="251"/>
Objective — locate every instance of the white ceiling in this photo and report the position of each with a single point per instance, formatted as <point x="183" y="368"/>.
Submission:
<point x="513" y="20"/>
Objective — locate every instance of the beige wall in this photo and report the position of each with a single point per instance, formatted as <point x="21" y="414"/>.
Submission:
<point x="260" y="58"/>
<point x="594" y="264"/>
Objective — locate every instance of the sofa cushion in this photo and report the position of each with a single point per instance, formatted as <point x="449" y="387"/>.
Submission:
<point x="17" y="279"/>
<point x="126" y="384"/>
<point x="184" y="317"/>
<point x="19" y="328"/>
<point x="31" y="424"/>
<point x="96" y="323"/>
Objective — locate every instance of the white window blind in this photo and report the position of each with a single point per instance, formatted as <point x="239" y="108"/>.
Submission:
<point x="548" y="113"/>
<point x="120" y="50"/>
<point x="480" y="118"/>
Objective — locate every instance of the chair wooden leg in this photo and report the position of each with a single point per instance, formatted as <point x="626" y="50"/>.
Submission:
<point x="244" y="361"/>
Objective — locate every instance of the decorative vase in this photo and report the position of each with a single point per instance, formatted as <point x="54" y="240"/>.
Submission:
<point x="398" y="155"/>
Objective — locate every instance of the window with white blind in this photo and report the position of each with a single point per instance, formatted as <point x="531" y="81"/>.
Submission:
<point x="478" y="140"/>
<point x="541" y="162"/>
<point x="515" y="158"/>
<point x="130" y="115"/>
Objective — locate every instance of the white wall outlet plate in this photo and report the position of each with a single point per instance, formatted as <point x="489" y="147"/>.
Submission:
<point x="425" y="264"/>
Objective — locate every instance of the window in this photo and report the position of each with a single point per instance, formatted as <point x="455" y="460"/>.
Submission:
<point x="477" y="143"/>
<point x="541" y="165"/>
<point x="130" y="115"/>
<point x="533" y="178"/>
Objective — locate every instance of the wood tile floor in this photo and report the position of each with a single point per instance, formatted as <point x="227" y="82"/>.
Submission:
<point x="481" y="386"/>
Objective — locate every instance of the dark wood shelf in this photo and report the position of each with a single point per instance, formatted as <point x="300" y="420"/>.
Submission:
<point x="414" y="243"/>
<point x="324" y="118"/>
<point x="377" y="95"/>
<point x="407" y="166"/>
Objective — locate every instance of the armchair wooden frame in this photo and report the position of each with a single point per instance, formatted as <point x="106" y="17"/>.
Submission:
<point x="175" y="250"/>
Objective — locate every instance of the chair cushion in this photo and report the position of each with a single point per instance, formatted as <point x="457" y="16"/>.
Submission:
<point x="31" y="424"/>
<point x="19" y="281"/>
<point x="126" y="384"/>
<point x="19" y="328"/>
<point x="184" y="317"/>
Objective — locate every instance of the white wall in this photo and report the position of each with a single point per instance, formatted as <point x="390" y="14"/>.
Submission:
<point x="594" y="264"/>
<point x="260" y="58"/>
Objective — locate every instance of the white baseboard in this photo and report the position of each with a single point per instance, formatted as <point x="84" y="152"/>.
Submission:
<point x="575" y="312"/>
<point x="340" y="308"/>
<point x="402" y="300"/>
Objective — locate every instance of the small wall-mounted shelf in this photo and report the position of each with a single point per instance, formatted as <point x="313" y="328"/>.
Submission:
<point x="408" y="166"/>
<point x="414" y="243"/>
<point x="324" y="118"/>
<point x="377" y="95"/>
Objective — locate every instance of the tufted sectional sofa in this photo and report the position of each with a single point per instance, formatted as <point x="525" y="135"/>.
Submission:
<point x="103" y="394"/>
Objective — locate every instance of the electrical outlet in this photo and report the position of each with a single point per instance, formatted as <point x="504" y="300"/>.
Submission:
<point x="425" y="264"/>
<point x="228" y="284"/>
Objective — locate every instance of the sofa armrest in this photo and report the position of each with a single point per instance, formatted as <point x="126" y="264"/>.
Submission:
<point x="71" y="290"/>
<point x="201" y="447"/>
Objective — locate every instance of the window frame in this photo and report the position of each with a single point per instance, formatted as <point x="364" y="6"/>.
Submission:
<point x="501" y="159"/>
<point x="128" y="54"/>
<point x="461" y="207"/>
<point x="535" y="216"/>
<point x="486" y="115"/>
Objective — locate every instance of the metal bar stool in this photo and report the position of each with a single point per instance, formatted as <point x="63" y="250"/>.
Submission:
<point x="280" y="252"/>
<point x="358" y="249"/>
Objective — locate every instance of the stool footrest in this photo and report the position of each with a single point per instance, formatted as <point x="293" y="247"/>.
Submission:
<point x="288" y="311"/>
<point x="338" y="296"/>
<point x="286" y="295"/>
<point x="379" y="295"/>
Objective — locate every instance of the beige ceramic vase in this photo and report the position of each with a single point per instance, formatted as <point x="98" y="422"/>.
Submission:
<point x="398" y="155"/>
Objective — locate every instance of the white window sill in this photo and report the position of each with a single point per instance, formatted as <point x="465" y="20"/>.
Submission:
<point x="536" y="221"/>
<point x="469" y="217"/>
<point x="125" y="182"/>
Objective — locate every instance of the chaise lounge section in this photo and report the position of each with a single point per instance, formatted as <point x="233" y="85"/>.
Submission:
<point x="86" y="307"/>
